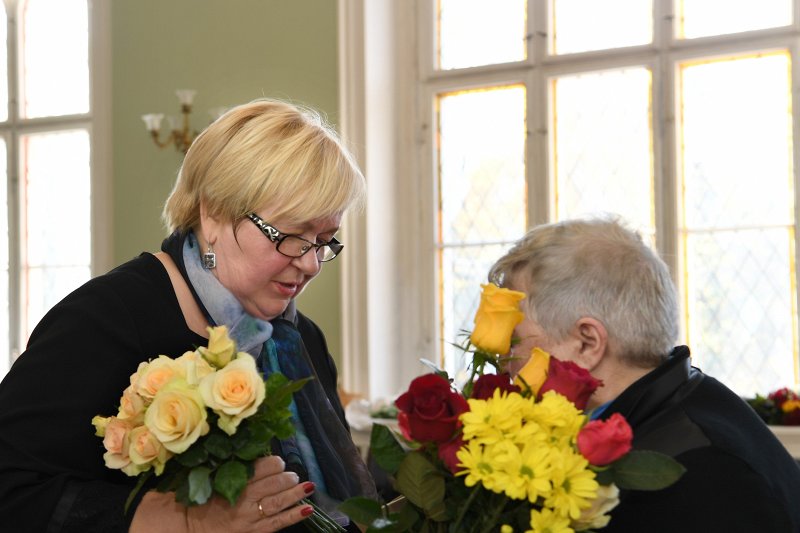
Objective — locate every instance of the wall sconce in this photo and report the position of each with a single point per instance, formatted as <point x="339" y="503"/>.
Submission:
<point x="180" y="134"/>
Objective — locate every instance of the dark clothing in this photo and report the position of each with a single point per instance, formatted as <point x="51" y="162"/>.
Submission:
<point x="738" y="475"/>
<point x="78" y="362"/>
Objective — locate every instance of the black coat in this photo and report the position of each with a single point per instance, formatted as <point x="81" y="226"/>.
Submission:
<point x="78" y="362"/>
<point x="739" y="477"/>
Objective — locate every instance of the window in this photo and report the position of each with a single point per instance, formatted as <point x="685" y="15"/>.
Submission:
<point x="677" y="115"/>
<point x="50" y="155"/>
<point x="687" y="134"/>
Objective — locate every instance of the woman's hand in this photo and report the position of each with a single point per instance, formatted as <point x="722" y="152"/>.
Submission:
<point x="267" y="504"/>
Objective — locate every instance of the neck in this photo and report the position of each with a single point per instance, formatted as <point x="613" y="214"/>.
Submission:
<point x="616" y="378"/>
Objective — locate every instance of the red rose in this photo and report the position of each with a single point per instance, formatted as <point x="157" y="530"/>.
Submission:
<point x="602" y="442"/>
<point x="780" y="396"/>
<point x="447" y="453"/>
<point x="486" y="384"/>
<point x="429" y="409"/>
<point x="570" y="380"/>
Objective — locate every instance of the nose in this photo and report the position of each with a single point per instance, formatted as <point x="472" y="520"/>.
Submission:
<point x="308" y="263"/>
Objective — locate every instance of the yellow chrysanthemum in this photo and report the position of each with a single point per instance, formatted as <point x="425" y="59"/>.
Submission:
<point x="559" y="417"/>
<point x="489" y="421"/>
<point x="477" y="460"/>
<point x="524" y="471"/>
<point x="574" y="484"/>
<point x="546" y="521"/>
<point x="505" y="528"/>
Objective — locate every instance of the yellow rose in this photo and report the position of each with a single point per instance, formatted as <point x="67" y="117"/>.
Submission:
<point x="151" y="377"/>
<point x="221" y="348"/>
<point x="535" y="371"/>
<point x="497" y="315"/>
<point x="194" y="367"/>
<point x="234" y="393"/>
<point x="146" y="451"/>
<point x="177" y="416"/>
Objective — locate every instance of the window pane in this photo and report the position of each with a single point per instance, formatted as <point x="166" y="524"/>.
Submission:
<point x="738" y="219"/>
<point x="583" y="25"/>
<point x="464" y="268"/>
<point x="722" y="158"/>
<point x="55" y="54"/>
<point x="57" y="200"/>
<point x="466" y="26"/>
<point x="603" y="146"/>
<point x="702" y="18"/>
<point x="482" y="192"/>
<point x="739" y="288"/>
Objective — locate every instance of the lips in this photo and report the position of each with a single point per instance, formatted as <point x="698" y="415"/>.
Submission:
<point x="287" y="289"/>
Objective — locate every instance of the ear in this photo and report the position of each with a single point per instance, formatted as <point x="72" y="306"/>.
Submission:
<point x="209" y="225"/>
<point x="592" y="337"/>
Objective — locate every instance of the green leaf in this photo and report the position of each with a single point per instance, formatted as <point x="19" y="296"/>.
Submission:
<point x="646" y="470"/>
<point x="218" y="445"/>
<point x="230" y="480"/>
<point x="200" y="485"/>
<point x="194" y="456"/>
<point x="361" y="510"/>
<point x="385" y="449"/>
<point x="419" y="481"/>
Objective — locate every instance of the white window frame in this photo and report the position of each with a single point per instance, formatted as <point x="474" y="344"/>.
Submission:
<point x="387" y="82"/>
<point x="97" y="121"/>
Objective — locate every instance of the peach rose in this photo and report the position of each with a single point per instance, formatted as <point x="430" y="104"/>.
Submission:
<point x="497" y="316"/>
<point x="116" y="436"/>
<point x="234" y="393"/>
<point x="152" y="376"/>
<point x="221" y="348"/>
<point x="131" y="405"/>
<point x="146" y="451"/>
<point x="596" y="516"/>
<point x="177" y="416"/>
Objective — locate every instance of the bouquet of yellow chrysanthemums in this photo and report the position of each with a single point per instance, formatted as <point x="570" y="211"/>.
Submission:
<point x="199" y="422"/>
<point x="501" y="454"/>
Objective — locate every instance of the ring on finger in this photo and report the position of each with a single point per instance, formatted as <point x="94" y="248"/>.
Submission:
<point x="261" y="511"/>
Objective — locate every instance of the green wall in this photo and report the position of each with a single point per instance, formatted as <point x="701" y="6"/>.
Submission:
<point x="230" y="52"/>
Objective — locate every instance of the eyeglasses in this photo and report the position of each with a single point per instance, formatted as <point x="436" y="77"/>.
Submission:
<point x="294" y="245"/>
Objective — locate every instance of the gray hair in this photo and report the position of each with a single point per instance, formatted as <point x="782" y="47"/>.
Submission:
<point x="595" y="268"/>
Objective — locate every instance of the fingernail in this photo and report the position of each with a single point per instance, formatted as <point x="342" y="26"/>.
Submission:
<point x="306" y="511"/>
<point x="309" y="487"/>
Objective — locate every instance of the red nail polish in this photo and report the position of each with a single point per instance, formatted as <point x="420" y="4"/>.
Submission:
<point x="306" y="511"/>
<point x="309" y="487"/>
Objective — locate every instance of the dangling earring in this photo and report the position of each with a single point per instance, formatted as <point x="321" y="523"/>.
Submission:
<point x="209" y="259"/>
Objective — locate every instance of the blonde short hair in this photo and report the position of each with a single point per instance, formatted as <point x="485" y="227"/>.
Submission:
<point x="266" y="152"/>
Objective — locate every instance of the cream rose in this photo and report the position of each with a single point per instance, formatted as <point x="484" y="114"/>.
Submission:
<point x="596" y="516"/>
<point x="145" y="450"/>
<point x="234" y="393"/>
<point x="151" y="377"/>
<point x="221" y="348"/>
<point x="177" y="416"/>
<point x="194" y="367"/>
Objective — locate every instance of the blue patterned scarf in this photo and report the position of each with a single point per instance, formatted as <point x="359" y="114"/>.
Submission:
<point x="320" y="437"/>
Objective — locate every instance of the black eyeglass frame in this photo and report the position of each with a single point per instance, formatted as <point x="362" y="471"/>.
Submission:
<point x="276" y="236"/>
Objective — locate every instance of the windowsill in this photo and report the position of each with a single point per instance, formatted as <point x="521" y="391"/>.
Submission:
<point x="789" y="437"/>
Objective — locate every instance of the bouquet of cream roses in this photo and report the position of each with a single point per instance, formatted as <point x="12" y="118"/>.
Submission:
<point x="199" y="422"/>
<point x="503" y="455"/>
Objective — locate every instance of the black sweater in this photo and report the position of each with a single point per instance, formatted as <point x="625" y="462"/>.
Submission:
<point x="77" y="363"/>
<point x="739" y="477"/>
